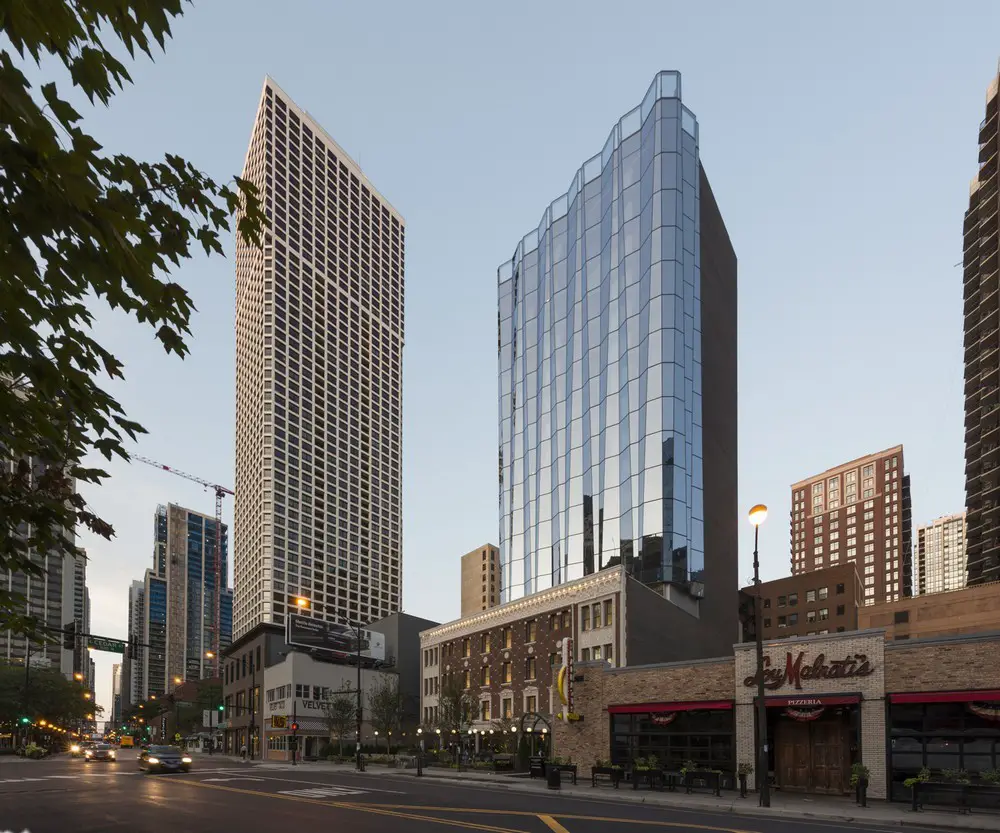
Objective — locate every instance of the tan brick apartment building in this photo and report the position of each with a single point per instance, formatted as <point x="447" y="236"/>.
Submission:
<point x="831" y="700"/>
<point x="969" y="610"/>
<point x="809" y="604"/>
<point x="480" y="579"/>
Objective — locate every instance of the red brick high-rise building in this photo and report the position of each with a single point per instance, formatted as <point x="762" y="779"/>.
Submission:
<point x="857" y="512"/>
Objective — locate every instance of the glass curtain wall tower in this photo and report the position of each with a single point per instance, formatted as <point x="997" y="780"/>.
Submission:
<point x="617" y="352"/>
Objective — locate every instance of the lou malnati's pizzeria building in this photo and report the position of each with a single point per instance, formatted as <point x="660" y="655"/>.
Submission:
<point x="832" y="701"/>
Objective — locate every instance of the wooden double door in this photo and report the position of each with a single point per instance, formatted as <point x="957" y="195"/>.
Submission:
<point x="813" y="756"/>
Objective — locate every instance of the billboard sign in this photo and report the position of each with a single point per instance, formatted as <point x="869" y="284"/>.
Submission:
<point x="305" y="632"/>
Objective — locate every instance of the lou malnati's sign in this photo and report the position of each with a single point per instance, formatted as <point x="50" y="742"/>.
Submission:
<point x="796" y="670"/>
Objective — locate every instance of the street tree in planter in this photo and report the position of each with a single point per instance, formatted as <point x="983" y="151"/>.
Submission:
<point x="82" y="231"/>
<point x="385" y="705"/>
<point x="340" y="714"/>
<point x="502" y="730"/>
<point x="455" y="705"/>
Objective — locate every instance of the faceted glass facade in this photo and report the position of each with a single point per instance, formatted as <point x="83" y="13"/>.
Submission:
<point x="600" y="365"/>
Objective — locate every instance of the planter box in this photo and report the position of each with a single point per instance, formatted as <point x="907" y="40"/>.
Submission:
<point x="613" y="774"/>
<point x="652" y="777"/>
<point x="964" y="797"/>
<point x="703" y="779"/>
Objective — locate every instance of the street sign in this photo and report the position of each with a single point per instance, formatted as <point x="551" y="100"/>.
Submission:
<point x="102" y="643"/>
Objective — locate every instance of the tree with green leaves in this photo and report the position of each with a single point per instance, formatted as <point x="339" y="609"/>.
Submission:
<point x="340" y="713"/>
<point x="385" y="705"/>
<point x="504" y="729"/>
<point x="50" y="696"/>
<point x="81" y="228"/>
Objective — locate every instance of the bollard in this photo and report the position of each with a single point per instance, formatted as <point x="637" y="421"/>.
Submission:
<point x="420" y="764"/>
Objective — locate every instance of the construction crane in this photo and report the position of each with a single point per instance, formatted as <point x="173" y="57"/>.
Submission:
<point x="220" y="493"/>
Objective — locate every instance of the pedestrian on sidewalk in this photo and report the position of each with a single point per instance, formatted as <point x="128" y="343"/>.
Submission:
<point x="243" y="753"/>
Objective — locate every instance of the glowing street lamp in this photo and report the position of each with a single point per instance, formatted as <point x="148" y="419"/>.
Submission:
<point x="757" y="516"/>
<point x="209" y="655"/>
<point x="301" y="602"/>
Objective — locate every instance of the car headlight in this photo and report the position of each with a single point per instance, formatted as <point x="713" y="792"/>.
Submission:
<point x="74" y="748"/>
<point x="87" y="754"/>
<point x="185" y="760"/>
<point x="154" y="760"/>
<point x="112" y="754"/>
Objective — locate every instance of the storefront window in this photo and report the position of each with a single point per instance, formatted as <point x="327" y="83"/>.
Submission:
<point x="941" y="736"/>
<point x="703" y="736"/>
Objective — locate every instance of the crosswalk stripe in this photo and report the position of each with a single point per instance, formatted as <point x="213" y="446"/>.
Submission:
<point x="323" y="792"/>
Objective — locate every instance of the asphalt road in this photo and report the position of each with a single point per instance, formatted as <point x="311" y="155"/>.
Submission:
<point x="64" y="794"/>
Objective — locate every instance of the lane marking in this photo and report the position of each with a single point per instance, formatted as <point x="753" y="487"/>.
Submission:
<point x="575" y="817"/>
<point x="365" y="808"/>
<point x="552" y="824"/>
<point x="234" y="778"/>
<point x="302" y="781"/>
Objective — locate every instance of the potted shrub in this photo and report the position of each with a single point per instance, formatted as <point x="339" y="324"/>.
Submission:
<point x="859" y="780"/>
<point x="744" y="771"/>
<point x="914" y="782"/>
<point x="990" y="777"/>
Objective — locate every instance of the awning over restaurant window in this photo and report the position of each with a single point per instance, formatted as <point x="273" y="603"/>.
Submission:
<point x="809" y="700"/>
<point x="945" y="696"/>
<point x="687" y="706"/>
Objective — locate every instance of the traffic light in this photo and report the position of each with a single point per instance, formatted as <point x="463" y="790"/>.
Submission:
<point x="69" y="636"/>
<point x="221" y="707"/>
<point x="26" y="720"/>
<point x="295" y="727"/>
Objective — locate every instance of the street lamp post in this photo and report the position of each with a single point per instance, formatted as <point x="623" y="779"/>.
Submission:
<point x="757" y="516"/>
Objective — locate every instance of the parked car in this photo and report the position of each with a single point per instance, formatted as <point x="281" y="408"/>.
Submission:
<point x="164" y="759"/>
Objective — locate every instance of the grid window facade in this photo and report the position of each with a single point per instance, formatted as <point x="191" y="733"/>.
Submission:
<point x="600" y="376"/>
<point x="939" y="561"/>
<point x="863" y="505"/>
<point x="319" y="332"/>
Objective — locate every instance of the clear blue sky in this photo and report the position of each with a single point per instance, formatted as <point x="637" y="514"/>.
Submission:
<point x="840" y="141"/>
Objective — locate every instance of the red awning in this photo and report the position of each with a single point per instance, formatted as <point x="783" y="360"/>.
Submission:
<point x="810" y="700"/>
<point x="945" y="696"/>
<point x="687" y="706"/>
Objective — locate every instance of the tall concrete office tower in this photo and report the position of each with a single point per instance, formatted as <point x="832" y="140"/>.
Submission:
<point x="133" y="685"/>
<point x="319" y="349"/>
<point x="982" y="357"/>
<point x="617" y="343"/>
<point x="56" y="598"/>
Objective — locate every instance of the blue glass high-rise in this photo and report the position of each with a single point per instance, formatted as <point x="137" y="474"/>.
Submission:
<point x="600" y="366"/>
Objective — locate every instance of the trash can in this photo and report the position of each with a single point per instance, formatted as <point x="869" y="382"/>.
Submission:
<point x="552" y="776"/>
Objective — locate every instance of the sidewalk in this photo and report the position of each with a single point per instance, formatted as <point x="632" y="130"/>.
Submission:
<point x="783" y="805"/>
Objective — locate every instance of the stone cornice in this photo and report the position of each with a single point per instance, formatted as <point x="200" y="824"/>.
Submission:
<point x="545" y="601"/>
